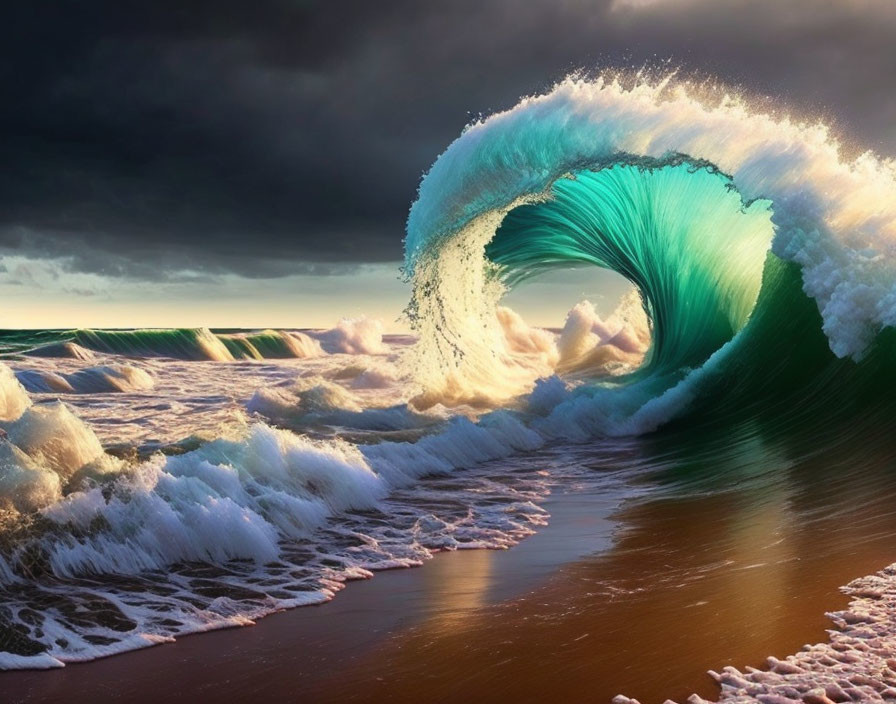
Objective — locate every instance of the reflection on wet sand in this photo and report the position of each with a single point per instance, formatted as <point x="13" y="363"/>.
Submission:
<point x="701" y="576"/>
<point x="452" y="594"/>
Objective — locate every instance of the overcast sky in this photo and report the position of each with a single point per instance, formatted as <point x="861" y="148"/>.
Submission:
<point x="198" y="151"/>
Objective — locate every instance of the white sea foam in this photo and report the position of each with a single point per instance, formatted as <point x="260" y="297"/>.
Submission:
<point x="314" y="401"/>
<point x="284" y="518"/>
<point x="55" y="438"/>
<point x="13" y="397"/>
<point x="275" y="510"/>
<point x="353" y="336"/>
<point x="591" y="344"/>
<point x="24" y="486"/>
<point x="377" y="376"/>
<point x="855" y="665"/>
<point x="231" y="499"/>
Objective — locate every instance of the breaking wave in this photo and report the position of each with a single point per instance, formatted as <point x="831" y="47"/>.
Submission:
<point x="349" y="336"/>
<point x="762" y="257"/>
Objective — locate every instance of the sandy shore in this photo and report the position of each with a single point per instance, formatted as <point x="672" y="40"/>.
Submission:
<point x="567" y="613"/>
<point x="302" y="651"/>
<point x="857" y="664"/>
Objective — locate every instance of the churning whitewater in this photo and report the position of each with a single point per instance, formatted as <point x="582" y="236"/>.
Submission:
<point x="157" y="483"/>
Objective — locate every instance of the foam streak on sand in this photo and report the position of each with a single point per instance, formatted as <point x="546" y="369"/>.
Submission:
<point x="857" y="664"/>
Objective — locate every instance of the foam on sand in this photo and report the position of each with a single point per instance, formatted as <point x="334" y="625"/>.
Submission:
<point x="857" y="664"/>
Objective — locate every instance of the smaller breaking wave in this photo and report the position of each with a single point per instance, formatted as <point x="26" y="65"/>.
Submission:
<point x="192" y="344"/>
<point x="113" y="378"/>
<point x="45" y="448"/>
<point x="271" y="344"/>
<point x="349" y="336"/>
<point x="62" y="350"/>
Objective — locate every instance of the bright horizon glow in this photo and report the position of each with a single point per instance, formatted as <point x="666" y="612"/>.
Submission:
<point x="41" y="296"/>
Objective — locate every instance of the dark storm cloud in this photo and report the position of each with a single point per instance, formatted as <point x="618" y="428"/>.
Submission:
<point x="284" y="136"/>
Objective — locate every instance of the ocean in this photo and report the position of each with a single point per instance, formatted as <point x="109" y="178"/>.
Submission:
<point x="155" y="483"/>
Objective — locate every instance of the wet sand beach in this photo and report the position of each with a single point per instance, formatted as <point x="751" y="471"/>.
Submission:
<point x="640" y="599"/>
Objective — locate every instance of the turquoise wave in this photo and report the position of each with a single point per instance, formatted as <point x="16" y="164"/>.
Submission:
<point x="179" y="343"/>
<point x="677" y="232"/>
<point x="763" y="259"/>
<point x="191" y="344"/>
